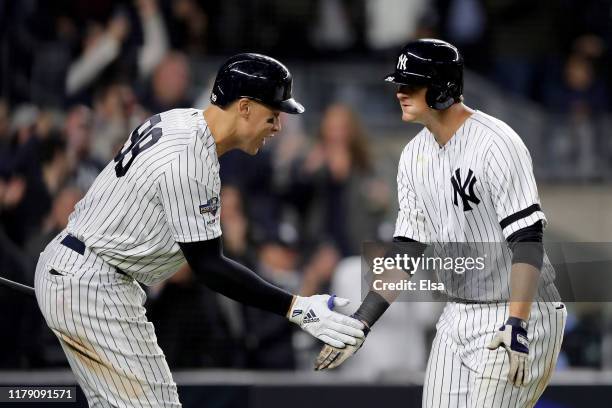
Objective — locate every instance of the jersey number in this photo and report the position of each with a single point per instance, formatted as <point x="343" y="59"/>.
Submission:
<point x="136" y="144"/>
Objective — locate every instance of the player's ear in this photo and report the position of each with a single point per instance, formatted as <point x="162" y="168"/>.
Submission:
<point x="244" y="107"/>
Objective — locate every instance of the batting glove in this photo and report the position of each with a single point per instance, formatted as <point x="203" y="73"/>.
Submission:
<point x="314" y="315"/>
<point x="332" y="357"/>
<point x="513" y="337"/>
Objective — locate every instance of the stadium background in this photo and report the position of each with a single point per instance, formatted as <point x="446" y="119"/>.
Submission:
<point x="77" y="76"/>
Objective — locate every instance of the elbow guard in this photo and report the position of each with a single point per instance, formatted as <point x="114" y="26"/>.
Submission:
<point x="406" y="246"/>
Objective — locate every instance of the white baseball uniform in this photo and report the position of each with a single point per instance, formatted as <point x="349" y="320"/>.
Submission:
<point x="162" y="188"/>
<point x="478" y="188"/>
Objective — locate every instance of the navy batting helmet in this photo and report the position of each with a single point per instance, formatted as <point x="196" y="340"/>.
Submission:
<point x="435" y="64"/>
<point x="258" y="77"/>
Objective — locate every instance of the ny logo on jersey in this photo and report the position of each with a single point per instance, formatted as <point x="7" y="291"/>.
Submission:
<point x="401" y="61"/>
<point x="464" y="189"/>
<point x="211" y="206"/>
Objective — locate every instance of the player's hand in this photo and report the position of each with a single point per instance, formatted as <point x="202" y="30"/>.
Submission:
<point x="512" y="336"/>
<point x="332" y="357"/>
<point x="314" y="315"/>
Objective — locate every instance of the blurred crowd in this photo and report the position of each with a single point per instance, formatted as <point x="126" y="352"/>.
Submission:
<point x="78" y="76"/>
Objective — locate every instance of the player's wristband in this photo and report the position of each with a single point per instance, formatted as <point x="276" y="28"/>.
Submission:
<point x="516" y="322"/>
<point x="373" y="306"/>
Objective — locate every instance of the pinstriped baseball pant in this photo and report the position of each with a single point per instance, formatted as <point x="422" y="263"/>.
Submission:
<point x="98" y="316"/>
<point x="462" y="372"/>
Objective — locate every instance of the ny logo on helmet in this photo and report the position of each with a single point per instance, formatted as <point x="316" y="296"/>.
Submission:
<point x="464" y="189"/>
<point x="401" y="61"/>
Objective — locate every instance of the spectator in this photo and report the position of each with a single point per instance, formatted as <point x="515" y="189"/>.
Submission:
<point x="269" y="338"/>
<point x="191" y="326"/>
<point x="335" y="187"/>
<point x="319" y="270"/>
<point x="116" y="113"/>
<point x="254" y="178"/>
<point x="77" y="130"/>
<point x="188" y="26"/>
<point x="169" y="85"/>
<point x="100" y="48"/>
<point x="43" y="179"/>
<point x="580" y="93"/>
<point x="235" y="225"/>
<point x="270" y="342"/>
<point x="103" y="46"/>
<point x="578" y="104"/>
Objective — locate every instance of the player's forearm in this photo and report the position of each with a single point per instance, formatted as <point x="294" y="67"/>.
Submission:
<point x="232" y="279"/>
<point x="238" y="282"/>
<point x="523" y="285"/>
<point x="391" y="278"/>
<point x="377" y="302"/>
<point x="527" y="261"/>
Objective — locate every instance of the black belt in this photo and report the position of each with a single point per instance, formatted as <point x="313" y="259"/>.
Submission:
<point x="74" y="243"/>
<point x="473" y="301"/>
<point x="78" y="246"/>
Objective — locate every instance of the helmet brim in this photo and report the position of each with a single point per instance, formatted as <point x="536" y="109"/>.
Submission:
<point x="290" y="106"/>
<point x="408" y="78"/>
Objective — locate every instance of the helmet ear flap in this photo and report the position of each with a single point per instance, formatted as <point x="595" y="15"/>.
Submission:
<point x="431" y="96"/>
<point x="440" y="96"/>
<point x="219" y="93"/>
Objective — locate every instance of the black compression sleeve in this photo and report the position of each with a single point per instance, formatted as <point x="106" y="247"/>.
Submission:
<point x="232" y="279"/>
<point x="405" y="246"/>
<point x="526" y="245"/>
<point x="403" y="239"/>
<point x="372" y="307"/>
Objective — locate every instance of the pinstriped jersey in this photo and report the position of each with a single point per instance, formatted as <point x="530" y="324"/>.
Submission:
<point x="477" y="188"/>
<point x="162" y="188"/>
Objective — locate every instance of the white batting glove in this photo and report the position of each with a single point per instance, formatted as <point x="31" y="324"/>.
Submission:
<point x="512" y="336"/>
<point x="314" y="315"/>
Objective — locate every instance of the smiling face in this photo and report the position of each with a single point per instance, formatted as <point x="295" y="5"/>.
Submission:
<point x="258" y="122"/>
<point x="412" y="102"/>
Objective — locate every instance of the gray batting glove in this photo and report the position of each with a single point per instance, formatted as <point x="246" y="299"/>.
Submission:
<point x="513" y="337"/>
<point x="314" y="315"/>
<point x="332" y="357"/>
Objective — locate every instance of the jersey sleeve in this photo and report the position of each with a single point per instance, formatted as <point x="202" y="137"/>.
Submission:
<point x="513" y="188"/>
<point x="411" y="222"/>
<point x="191" y="203"/>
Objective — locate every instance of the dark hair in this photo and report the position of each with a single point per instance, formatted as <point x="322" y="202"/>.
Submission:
<point x="50" y="147"/>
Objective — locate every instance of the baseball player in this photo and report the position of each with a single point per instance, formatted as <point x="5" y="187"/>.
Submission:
<point x="467" y="177"/>
<point x="153" y="207"/>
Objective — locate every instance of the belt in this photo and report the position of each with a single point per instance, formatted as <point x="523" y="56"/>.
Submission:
<point x="73" y="243"/>
<point x="78" y="246"/>
<point x="473" y="301"/>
